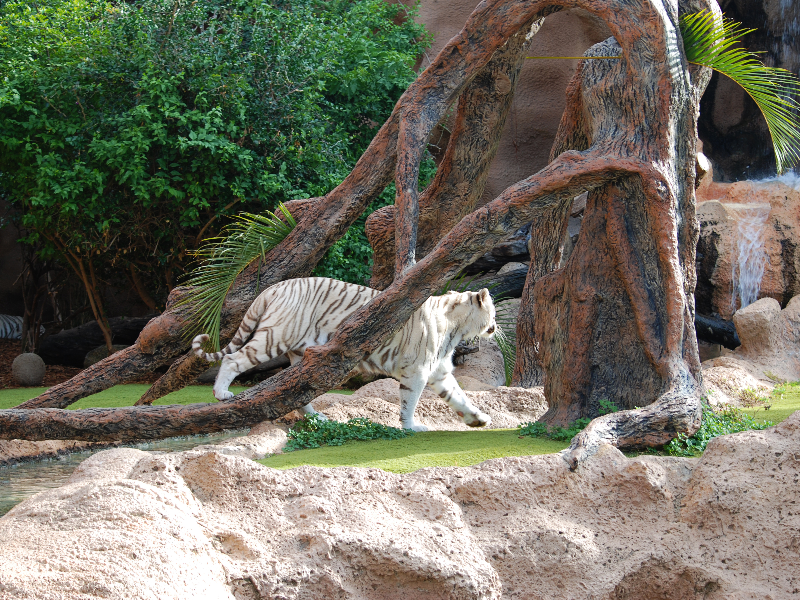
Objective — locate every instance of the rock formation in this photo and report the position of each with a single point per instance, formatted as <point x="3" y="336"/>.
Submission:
<point x="770" y="349"/>
<point x="204" y="525"/>
<point x="28" y="369"/>
<point x="722" y="211"/>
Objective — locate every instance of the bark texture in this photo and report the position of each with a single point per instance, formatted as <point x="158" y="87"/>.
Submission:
<point x="627" y="137"/>
<point x="460" y="181"/>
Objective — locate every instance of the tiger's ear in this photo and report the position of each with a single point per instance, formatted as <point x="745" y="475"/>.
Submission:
<point x="483" y="297"/>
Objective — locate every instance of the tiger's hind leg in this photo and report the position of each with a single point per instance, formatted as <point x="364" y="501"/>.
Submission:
<point x="308" y="409"/>
<point x="228" y="370"/>
<point x="410" y="391"/>
<point x="447" y="387"/>
<point x="236" y="363"/>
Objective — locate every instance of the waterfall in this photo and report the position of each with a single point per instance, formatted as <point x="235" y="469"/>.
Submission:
<point x="751" y="257"/>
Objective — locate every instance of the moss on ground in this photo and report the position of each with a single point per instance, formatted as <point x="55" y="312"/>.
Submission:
<point x="784" y="400"/>
<point x="429" y="449"/>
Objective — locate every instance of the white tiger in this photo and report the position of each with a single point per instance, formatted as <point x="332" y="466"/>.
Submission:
<point x="10" y="327"/>
<point x="290" y="316"/>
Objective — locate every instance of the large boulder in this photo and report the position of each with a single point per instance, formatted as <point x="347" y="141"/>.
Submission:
<point x="196" y="524"/>
<point x="770" y="349"/>
<point x="744" y="226"/>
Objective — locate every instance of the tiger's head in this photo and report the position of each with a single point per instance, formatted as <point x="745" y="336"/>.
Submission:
<point x="479" y="320"/>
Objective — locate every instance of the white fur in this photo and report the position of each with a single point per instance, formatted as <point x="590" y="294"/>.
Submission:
<point x="293" y="315"/>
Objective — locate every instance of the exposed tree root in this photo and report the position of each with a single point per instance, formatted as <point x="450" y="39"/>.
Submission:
<point x="677" y="411"/>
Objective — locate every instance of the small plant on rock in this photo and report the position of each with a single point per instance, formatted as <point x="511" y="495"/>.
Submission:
<point x="750" y="397"/>
<point x="715" y="424"/>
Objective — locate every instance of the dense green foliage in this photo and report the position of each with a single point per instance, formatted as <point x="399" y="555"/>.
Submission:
<point x="715" y="424"/>
<point x="313" y="432"/>
<point x="128" y="129"/>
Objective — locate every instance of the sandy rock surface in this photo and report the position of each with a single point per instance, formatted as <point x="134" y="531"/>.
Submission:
<point x="770" y="337"/>
<point x="485" y="366"/>
<point x="205" y="525"/>
<point x="379" y="401"/>
<point x="732" y="386"/>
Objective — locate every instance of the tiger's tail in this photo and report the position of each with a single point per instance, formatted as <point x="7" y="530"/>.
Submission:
<point x="249" y="323"/>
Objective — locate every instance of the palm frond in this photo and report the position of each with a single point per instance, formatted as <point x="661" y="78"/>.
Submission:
<point x="222" y="258"/>
<point x="713" y="43"/>
<point x="506" y="337"/>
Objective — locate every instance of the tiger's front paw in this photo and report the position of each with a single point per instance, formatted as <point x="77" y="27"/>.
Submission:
<point x="223" y="395"/>
<point x="418" y="427"/>
<point x="477" y="419"/>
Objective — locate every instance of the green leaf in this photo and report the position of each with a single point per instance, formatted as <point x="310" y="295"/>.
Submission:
<point x="221" y="259"/>
<point x="710" y="42"/>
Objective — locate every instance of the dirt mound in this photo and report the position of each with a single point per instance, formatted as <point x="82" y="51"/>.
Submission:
<point x="205" y="525"/>
<point x="379" y="401"/>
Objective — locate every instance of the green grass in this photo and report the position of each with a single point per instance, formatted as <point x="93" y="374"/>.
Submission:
<point x="120" y="395"/>
<point x="429" y="449"/>
<point x="784" y="400"/>
<point x="125" y="395"/>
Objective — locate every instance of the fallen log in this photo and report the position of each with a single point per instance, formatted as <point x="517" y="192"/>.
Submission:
<point x="715" y="330"/>
<point x="70" y="347"/>
<point x="502" y="286"/>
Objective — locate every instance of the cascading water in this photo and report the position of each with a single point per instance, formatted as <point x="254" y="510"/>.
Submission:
<point x="751" y="257"/>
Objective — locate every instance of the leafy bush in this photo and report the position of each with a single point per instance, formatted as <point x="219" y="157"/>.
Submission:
<point x="565" y="434"/>
<point x="127" y="130"/>
<point x="728" y="420"/>
<point x="313" y="432"/>
<point x="558" y="433"/>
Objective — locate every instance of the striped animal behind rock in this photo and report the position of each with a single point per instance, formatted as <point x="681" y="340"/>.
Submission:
<point x="10" y="327"/>
<point x="290" y="316"/>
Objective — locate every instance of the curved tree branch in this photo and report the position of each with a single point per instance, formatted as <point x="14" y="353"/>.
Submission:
<point x="324" y="367"/>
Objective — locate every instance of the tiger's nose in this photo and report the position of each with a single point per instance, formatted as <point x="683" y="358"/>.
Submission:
<point x="491" y="329"/>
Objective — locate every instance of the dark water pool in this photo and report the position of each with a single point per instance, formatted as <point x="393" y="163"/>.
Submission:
<point x="23" y="480"/>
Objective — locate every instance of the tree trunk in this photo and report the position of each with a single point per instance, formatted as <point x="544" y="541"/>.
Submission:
<point x="617" y="322"/>
<point x="460" y="181"/>
<point x="627" y="137"/>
